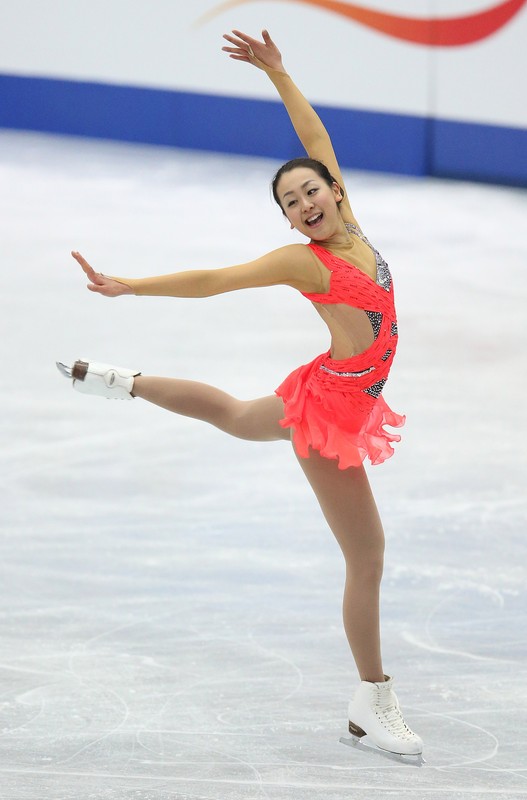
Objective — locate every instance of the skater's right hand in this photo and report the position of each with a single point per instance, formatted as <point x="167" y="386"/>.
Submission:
<point x="100" y="283"/>
<point x="262" y="54"/>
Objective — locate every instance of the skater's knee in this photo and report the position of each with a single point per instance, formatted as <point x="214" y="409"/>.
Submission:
<point x="234" y="417"/>
<point x="365" y="571"/>
<point x="244" y="423"/>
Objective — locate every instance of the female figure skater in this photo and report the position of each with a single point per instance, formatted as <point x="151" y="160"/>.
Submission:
<point x="332" y="408"/>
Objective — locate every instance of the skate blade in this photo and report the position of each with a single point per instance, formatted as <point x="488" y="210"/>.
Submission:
<point x="64" y="370"/>
<point x="358" y="744"/>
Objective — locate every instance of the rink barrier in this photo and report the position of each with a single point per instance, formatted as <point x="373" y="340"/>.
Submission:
<point x="398" y="143"/>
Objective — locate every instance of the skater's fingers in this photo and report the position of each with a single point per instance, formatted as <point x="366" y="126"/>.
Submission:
<point x="237" y="50"/>
<point x="263" y="53"/>
<point x="95" y="277"/>
<point x="243" y="43"/>
<point x="240" y="39"/>
<point x="100" y="283"/>
<point x="243" y="39"/>
<point x="238" y="55"/>
<point x="83" y="263"/>
<point x="106" y="289"/>
<point x="80" y="260"/>
<point x="250" y="41"/>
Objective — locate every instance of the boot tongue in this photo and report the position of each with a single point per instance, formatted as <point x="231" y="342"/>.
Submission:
<point x="384" y="699"/>
<point x="384" y="693"/>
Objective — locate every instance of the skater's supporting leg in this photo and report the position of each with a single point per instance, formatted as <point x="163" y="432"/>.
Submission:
<point x="347" y="503"/>
<point x="256" y="420"/>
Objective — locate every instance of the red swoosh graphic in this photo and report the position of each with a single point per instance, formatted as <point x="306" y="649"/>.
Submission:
<point x="435" y="32"/>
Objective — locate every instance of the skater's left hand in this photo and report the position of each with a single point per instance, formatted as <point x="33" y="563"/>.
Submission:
<point x="100" y="283"/>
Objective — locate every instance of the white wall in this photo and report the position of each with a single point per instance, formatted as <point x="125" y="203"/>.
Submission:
<point x="337" y="62"/>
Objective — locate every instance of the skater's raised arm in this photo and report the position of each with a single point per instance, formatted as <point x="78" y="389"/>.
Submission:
<point x="293" y="265"/>
<point x="305" y="120"/>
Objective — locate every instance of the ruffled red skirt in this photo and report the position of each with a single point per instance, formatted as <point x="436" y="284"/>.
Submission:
<point x="333" y="414"/>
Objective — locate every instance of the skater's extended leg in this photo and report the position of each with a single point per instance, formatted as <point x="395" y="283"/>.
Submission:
<point x="256" y="420"/>
<point x="347" y="503"/>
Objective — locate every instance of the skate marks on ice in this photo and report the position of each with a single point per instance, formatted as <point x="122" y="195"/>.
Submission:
<point x="119" y="711"/>
<point x="473" y="629"/>
<point x="126" y="725"/>
<point x="166" y="635"/>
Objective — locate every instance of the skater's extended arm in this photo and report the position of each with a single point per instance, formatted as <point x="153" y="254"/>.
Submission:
<point x="293" y="265"/>
<point x="305" y="120"/>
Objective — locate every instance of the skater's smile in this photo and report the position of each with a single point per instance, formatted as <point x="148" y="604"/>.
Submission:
<point x="309" y="203"/>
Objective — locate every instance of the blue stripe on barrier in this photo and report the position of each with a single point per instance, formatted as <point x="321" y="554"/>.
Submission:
<point x="479" y="152"/>
<point x="364" y="140"/>
<point x="368" y="140"/>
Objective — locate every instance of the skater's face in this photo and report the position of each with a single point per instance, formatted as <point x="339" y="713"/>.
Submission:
<point x="309" y="203"/>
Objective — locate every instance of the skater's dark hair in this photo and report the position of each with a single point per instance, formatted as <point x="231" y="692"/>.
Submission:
<point x="311" y="163"/>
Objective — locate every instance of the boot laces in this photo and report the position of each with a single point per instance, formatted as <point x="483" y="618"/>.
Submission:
<point x="389" y="715"/>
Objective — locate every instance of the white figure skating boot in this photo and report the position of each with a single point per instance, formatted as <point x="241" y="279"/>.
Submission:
<point x="376" y="723"/>
<point x="90" y="377"/>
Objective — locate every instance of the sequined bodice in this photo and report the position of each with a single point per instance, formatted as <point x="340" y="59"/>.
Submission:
<point x="384" y="277"/>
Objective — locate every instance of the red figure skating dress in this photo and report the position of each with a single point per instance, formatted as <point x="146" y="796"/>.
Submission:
<point x="336" y="406"/>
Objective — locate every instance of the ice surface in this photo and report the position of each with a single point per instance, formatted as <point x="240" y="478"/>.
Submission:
<point x="170" y="597"/>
